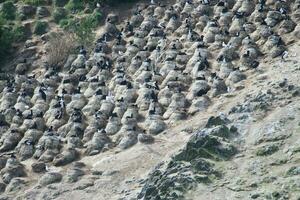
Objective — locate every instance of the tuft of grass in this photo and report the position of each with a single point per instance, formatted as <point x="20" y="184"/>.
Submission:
<point x="60" y="46"/>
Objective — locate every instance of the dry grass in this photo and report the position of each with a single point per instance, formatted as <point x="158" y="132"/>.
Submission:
<point x="59" y="47"/>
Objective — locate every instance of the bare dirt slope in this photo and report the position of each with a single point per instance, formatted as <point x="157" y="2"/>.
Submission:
<point x="246" y="175"/>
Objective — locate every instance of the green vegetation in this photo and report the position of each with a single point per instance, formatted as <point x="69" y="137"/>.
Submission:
<point x="71" y="15"/>
<point x="60" y="3"/>
<point x="84" y="31"/>
<point x="8" y="35"/>
<point x="267" y="150"/>
<point x="75" y="5"/>
<point x="66" y="24"/>
<point x="40" y="27"/>
<point x="293" y="171"/>
<point x="6" y="38"/>
<point x="94" y="18"/>
<point x="35" y="2"/>
<point x="19" y="33"/>
<point x="82" y="28"/>
<point x="8" y="10"/>
<point x="59" y="14"/>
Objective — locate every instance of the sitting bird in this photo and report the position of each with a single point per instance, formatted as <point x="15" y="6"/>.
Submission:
<point x="43" y="94"/>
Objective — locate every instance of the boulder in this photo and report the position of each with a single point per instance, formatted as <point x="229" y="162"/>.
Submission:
<point x="49" y="178"/>
<point x="199" y="104"/>
<point x="236" y="76"/>
<point x="146" y="139"/>
<point x="65" y="157"/>
<point x="26" y="11"/>
<point x="156" y="127"/>
<point x="83" y="184"/>
<point x="15" y="185"/>
<point x="38" y="167"/>
<point x="73" y="175"/>
<point x="12" y="172"/>
<point x="129" y="139"/>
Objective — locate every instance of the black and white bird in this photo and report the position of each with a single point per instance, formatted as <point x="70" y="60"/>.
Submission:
<point x="284" y="56"/>
<point x="82" y="51"/>
<point x="58" y="114"/>
<point x="254" y="64"/>
<point x="43" y="94"/>
<point x="28" y="142"/>
<point x="30" y="115"/>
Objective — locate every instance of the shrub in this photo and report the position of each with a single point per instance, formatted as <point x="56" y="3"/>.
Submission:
<point x="35" y="2"/>
<point x="82" y="28"/>
<point x="84" y="31"/>
<point x="75" y="5"/>
<point x="19" y="33"/>
<point x="60" y="3"/>
<point x="40" y="27"/>
<point x="59" y="47"/>
<point x="8" y="10"/>
<point x="59" y="14"/>
<point x="95" y="18"/>
<point x="67" y="24"/>
<point x="6" y="39"/>
<point x="8" y="35"/>
<point x="267" y="150"/>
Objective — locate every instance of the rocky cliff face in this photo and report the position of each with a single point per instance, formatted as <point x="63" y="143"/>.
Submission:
<point x="182" y="100"/>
